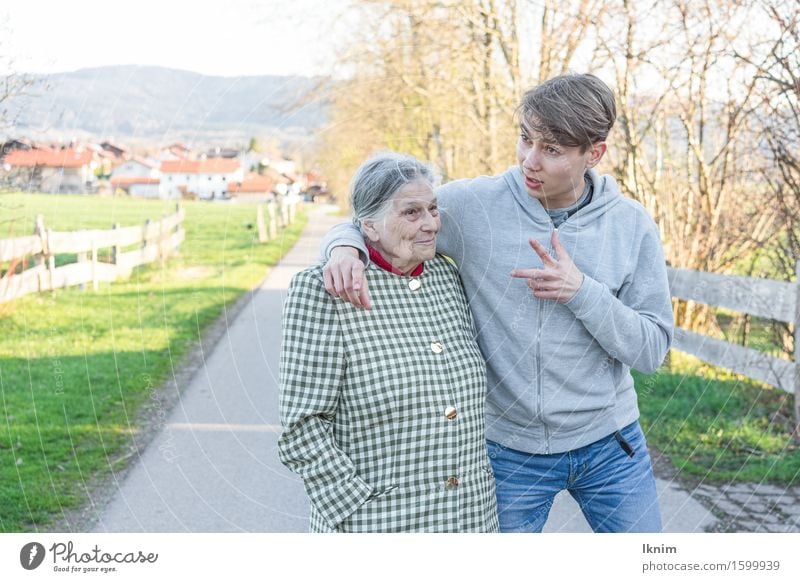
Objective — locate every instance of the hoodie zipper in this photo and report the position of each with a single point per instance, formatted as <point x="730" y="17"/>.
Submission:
<point x="539" y="380"/>
<point x="539" y="395"/>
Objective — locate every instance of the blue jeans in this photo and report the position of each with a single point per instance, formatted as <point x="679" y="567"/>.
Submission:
<point x="615" y="491"/>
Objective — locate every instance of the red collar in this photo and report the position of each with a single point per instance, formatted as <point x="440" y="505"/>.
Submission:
<point x="378" y="259"/>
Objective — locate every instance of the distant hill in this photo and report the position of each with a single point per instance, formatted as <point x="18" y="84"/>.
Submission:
<point x="155" y="102"/>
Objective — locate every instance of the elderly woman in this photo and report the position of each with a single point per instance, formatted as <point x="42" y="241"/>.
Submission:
<point x="383" y="408"/>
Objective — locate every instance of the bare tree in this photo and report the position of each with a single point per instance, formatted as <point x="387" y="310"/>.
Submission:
<point x="684" y="137"/>
<point x="564" y="27"/>
<point x="442" y="78"/>
<point x="778" y="133"/>
<point x="13" y="84"/>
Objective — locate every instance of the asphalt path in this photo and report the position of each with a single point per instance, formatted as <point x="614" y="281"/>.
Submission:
<point x="213" y="466"/>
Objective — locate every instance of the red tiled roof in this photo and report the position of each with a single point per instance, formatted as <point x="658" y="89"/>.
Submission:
<point x="66" y="158"/>
<point x="277" y="176"/>
<point x="212" y="166"/>
<point x="123" y="181"/>
<point x="252" y="183"/>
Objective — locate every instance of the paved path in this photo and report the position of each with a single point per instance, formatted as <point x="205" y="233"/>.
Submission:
<point x="214" y="468"/>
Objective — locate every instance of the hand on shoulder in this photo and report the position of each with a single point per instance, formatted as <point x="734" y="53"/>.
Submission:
<point x="344" y="277"/>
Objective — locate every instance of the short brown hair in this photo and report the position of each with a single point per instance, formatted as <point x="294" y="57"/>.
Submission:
<point x="572" y="110"/>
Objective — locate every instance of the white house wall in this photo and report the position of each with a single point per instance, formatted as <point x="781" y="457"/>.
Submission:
<point x="132" y="169"/>
<point x="206" y="186"/>
<point x="144" y="190"/>
<point x="66" y="179"/>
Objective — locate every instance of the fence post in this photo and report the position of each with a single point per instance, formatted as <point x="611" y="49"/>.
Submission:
<point x="178" y="227"/>
<point x="283" y="212"/>
<point x="40" y="258"/>
<point x="115" y="250"/>
<point x="145" y="229"/>
<point x="262" y="228"/>
<point x="161" y="242"/>
<point x="51" y="263"/>
<point x="273" y="221"/>
<point x="797" y="355"/>
<point x="81" y="260"/>
<point x="94" y="265"/>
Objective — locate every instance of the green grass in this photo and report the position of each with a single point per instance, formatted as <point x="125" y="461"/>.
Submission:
<point x="76" y="366"/>
<point x="718" y="426"/>
<point x="761" y="336"/>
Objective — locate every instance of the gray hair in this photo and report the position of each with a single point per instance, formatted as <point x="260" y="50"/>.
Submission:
<point x="379" y="178"/>
<point x="571" y="110"/>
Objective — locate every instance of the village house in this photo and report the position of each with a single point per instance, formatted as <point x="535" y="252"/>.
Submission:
<point x="316" y="188"/>
<point x="138" y="186"/>
<point x="283" y="183"/>
<point x="282" y="165"/>
<point x="66" y="170"/>
<point x="219" y="152"/>
<point x="105" y="160"/>
<point x="221" y="174"/>
<point x="16" y="144"/>
<point x="175" y="152"/>
<point x="136" y="167"/>
<point x="137" y="177"/>
<point x="203" y="179"/>
<point x="253" y="188"/>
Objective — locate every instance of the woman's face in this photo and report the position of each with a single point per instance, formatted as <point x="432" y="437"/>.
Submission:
<point x="407" y="234"/>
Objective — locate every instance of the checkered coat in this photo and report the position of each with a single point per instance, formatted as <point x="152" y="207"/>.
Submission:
<point x="367" y="402"/>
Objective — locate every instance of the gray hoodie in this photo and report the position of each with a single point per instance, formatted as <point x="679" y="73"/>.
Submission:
<point x="558" y="375"/>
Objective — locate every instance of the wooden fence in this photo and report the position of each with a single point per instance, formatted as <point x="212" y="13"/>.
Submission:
<point x="766" y="298"/>
<point x="154" y="240"/>
<point x="279" y="214"/>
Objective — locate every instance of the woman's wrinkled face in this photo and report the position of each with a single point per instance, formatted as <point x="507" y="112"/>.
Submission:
<point x="406" y="236"/>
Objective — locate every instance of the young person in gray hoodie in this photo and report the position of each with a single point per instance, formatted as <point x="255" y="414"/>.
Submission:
<point x="567" y="283"/>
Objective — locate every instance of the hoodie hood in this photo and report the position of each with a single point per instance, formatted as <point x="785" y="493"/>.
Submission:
<point x="605" y="195"/>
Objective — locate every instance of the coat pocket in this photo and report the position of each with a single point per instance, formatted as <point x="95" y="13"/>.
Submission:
<point x="379" y="513"/>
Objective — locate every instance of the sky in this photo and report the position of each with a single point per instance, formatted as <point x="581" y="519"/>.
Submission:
<point x="227" y="38"/>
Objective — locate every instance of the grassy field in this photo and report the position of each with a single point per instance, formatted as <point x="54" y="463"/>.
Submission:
<point x="718" y="426"/>
<point x="76" y="366"/>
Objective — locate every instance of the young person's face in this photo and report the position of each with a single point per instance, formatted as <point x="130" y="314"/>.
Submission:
<point x="554" y="173"/>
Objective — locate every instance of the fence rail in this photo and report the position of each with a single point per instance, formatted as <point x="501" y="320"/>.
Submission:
<point x="157" y="241"/>
<point x="766" y="298"/>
